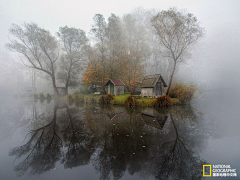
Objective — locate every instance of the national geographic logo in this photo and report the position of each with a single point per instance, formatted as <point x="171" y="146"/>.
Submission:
<point x="207" y="170"/>
<point x="219" y="170"/>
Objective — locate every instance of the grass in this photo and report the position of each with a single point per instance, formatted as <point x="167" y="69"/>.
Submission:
<point x="78" y="98"/>
<point x="120" y="100"/>
<point x="146" y="101"/>
<point x="141" y="101"/>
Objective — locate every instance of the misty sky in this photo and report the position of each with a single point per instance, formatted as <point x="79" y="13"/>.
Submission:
<point x="51" y="14"/>
<point x="217" y="54"/>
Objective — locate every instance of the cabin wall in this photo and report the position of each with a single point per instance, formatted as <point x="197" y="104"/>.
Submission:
<point x="118" y="90"/>
<point x="147" y="92"/>
<point x="162" y="89"/>
<point x="158" y="90"/>
<point x="108" y="89"/>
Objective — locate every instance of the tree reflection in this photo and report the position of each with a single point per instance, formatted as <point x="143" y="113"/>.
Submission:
<point x="153" y="142"/>
<point x="79" y="142"/>
<point x="42" y="149"/>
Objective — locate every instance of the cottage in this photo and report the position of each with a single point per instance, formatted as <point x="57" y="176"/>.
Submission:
<point x="153" y="86"/>
<point x="115" y="87"/>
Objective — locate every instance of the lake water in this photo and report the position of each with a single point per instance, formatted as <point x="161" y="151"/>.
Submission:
<point x="53" y="140"/>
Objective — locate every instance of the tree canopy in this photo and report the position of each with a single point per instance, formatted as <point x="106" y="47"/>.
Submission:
<point x="177" y="32"/>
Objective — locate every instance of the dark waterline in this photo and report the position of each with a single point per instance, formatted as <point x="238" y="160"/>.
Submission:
<point x="54" y="140"/>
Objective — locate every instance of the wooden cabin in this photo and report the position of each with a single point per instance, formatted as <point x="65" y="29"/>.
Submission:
<point x="115" y="87"/>
<point x="153" y="86"/>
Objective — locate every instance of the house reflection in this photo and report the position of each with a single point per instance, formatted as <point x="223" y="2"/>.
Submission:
<point x="154" y="119"/>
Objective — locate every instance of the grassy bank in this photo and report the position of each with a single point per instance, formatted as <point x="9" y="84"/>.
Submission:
<point x="141" y="101"/>
<point x="180" y="93"/>
<point x="124" y="100"/>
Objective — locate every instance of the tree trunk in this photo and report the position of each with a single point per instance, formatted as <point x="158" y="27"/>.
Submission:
<point x="54" y="86"/>
<point x="68" y="78"/>
<point x="170" y="82"/>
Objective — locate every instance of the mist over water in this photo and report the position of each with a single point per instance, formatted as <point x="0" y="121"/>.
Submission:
<point x="69" y="141"/>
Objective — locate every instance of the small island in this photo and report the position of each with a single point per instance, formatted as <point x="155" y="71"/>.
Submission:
<point x="180" y="94"/>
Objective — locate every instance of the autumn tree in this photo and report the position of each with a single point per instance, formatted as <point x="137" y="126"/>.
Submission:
<point x="72" y="60"/>
<point x="93" y="73"/>
<point x="38" y="48"/>
<point x="177" y="31"/>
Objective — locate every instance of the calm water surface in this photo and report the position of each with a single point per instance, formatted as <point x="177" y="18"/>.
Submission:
<point x="57" y="141"/>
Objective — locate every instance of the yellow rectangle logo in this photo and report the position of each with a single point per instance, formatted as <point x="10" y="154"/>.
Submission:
<point x="210" y="166"/>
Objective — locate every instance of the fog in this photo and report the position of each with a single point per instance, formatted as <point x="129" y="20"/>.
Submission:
<point x="215" y="58"/>
<point x="75" y="47"/>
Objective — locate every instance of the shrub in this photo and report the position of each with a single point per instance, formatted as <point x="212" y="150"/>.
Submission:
<point x="183" y="91"/>
<point x="131" y="102"/>
<point x="105" y="99"/>
<point x="102" y="99"/>
<point x="162" y="101"/>
<point x="110" y="97"/>
<point x="41" y="96"/>
<point x="49" y="96"/>
<point x="35" y="96"/>
<point x="70" y="98"/>
<point x="89" y="99"/>
<point x="78" y="98"/>
<point x="93" y="100"/>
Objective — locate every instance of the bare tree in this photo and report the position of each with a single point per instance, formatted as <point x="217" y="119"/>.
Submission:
<point x="177" y="32"/>
<point x="37" y="46"/>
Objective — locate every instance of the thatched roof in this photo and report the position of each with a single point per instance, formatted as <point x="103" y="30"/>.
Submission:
<point x="151" y="81"/>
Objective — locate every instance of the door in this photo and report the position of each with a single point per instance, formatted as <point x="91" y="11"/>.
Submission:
<point x="111" y="88"/>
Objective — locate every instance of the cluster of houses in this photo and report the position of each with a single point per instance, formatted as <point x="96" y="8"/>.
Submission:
<point x="152" y="86"/>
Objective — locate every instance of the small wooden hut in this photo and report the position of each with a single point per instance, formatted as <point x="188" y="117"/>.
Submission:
<point x="115" y="87"/>
<point x="153" y="86"/>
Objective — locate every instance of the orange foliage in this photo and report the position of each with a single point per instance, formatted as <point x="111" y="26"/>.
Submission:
<point x="133" y="72"/>
<point x="94" y="73"/>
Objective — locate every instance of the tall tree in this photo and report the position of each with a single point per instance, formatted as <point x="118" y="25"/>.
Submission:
<point x="115" y="46"/>
<point x="137" y="51"/>
<point x="177" y="32"/>
<point x="99" y="33"/>
<point x="73" y="41"/>
<point x="37" y="46"/>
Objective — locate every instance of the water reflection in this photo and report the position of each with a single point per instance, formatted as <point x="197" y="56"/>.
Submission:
<point x="159" y="143"/>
